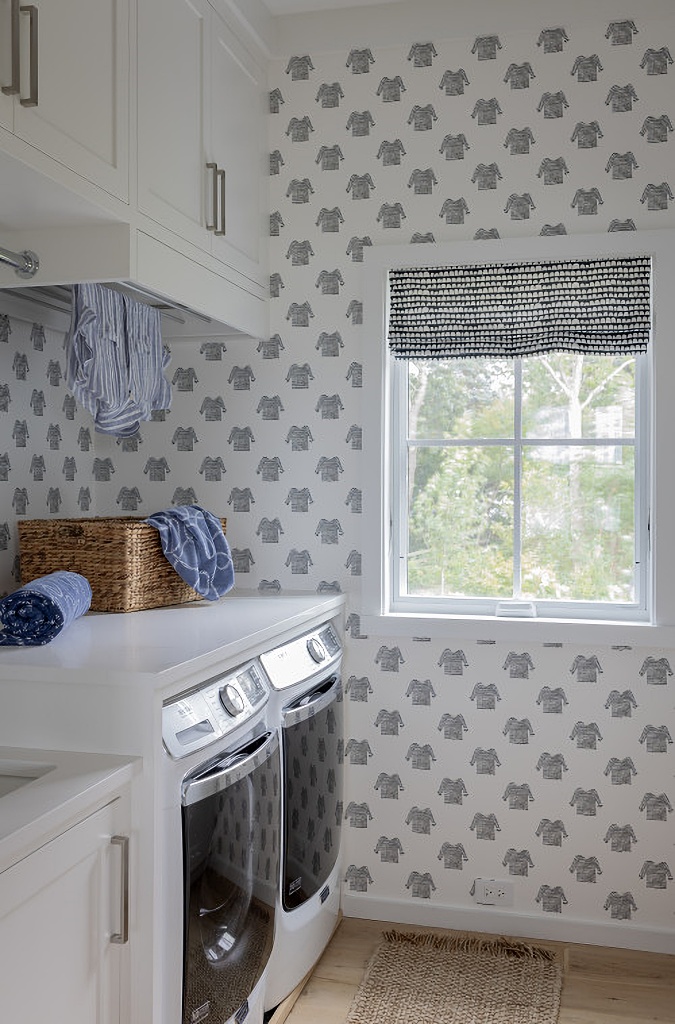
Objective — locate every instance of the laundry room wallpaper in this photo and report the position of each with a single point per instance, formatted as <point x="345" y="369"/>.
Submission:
<point x="547" y="765"/>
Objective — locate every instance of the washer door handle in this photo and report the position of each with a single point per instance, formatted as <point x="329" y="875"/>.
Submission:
<point x="229" y="769"/>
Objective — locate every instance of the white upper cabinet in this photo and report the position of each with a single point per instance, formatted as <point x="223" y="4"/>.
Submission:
<point x="6" y="97"/>
<point x="238" y="147"/>
<point x="151" y="112"/>
<point x="201" y="125"/>
<point x="64" y="71"/>
<point x="173" y="51"/>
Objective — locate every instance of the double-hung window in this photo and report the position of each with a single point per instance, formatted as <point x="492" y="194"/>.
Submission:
<point x="518" y="475"/>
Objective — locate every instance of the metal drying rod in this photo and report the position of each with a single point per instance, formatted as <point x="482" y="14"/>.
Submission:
<point x="59" y="298"/>
<point x="25" y="263"/>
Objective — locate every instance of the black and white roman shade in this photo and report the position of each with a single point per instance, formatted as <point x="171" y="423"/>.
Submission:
<point x="595" y="306"/>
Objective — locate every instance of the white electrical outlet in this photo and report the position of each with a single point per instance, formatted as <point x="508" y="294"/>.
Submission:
<point x="492" y="892"/>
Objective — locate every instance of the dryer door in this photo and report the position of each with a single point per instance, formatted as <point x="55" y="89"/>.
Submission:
<point x="313" y="753"/>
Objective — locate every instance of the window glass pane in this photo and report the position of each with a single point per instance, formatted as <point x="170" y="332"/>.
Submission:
<point x="568" y="395"/>
<point x="578" y="540"/>
<point x="460" y="527"/>
<point x="460" y="398"/>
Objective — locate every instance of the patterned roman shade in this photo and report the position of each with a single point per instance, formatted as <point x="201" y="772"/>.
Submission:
<point x="593" y="306"/>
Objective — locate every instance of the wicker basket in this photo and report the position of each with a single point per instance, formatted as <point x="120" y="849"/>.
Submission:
<point x="122" y="558"/>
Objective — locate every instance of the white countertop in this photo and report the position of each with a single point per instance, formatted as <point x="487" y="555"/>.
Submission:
<point x="165" y="646"/>
<point x="74" y="786"/>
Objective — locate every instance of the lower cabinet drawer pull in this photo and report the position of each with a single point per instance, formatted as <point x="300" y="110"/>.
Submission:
<point x="122" y="935"/>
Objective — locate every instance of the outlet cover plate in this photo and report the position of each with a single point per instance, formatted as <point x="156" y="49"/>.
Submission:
<point x="493" y="892"/>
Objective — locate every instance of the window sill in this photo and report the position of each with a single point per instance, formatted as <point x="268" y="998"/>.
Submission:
<point x="535" y="630"/>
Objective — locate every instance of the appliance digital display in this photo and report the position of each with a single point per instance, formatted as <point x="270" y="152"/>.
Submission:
<point x="251" y="686"/>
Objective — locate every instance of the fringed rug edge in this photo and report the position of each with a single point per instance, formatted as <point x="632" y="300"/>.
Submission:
<point x="494" y="945"/>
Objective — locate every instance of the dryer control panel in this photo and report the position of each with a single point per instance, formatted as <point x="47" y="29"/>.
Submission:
<point x="303" y="657"/>
<point x="213" y="710"/>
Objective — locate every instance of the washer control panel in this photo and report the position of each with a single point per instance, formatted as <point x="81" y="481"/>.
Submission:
<point x="303" y="657"/>
<point x="212" y="711"/>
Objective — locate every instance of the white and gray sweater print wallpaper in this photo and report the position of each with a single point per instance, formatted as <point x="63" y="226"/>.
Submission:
<point x="548" y="765"/>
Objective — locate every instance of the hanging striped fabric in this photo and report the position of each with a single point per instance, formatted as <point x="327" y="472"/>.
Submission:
<point x="115" y="359"/>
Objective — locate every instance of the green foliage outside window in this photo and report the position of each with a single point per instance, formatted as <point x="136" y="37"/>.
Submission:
<point x="571" y="535"/>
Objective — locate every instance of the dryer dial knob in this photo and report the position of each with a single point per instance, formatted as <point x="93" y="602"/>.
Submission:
<point x="316" y="649"/>
<point x="232" y="700"/>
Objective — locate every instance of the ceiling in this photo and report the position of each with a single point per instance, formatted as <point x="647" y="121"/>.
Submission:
<point x="304" y="6"/>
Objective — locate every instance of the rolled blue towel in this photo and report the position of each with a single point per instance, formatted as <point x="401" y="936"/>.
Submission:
<point x="35" y="614"/>
<point x="194" y="543"/>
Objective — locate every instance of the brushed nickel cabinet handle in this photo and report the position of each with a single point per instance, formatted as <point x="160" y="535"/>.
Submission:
<point x="214" y="197"/>
<point x="32" y="99"/>
<point x="15" y="86"/>
<point x="220" y="173"/>
<point x="122" y="935"/>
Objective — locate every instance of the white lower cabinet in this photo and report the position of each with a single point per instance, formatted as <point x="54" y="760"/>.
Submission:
<point x="64" y="951"/>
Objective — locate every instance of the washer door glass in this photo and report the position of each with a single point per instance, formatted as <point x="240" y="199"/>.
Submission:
<point x="231" y="821"/>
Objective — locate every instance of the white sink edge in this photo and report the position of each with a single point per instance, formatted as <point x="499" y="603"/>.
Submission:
<point x="72" y="783"/>
<point x="17" y="772"/>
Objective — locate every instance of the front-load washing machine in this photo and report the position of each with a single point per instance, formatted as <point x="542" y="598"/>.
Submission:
<point x="305" y="677"/>
<point x="222" y="819"/>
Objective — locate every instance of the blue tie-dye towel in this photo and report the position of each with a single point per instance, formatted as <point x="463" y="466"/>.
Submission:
<point x="194" y="542"/>
<point x="35" y="614"/>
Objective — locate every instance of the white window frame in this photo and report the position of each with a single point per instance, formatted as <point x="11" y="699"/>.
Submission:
<point x="379" y="612"/>
<point x="515" y="607"/>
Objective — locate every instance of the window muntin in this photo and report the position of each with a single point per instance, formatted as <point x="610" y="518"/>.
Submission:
<point x="520" y="479"/>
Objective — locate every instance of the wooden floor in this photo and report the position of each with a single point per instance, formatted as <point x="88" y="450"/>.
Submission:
<point x="601" y="986"/>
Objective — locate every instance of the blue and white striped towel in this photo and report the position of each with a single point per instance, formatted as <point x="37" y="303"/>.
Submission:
<point x="194" y="542"/>
<point x="115" y="360"/>
<point x="35" y="614"/>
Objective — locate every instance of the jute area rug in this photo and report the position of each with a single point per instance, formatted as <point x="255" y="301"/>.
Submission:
<point x="419" y="978"/>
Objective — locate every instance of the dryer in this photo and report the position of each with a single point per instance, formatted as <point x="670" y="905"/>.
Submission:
<point x="307" y="701"/>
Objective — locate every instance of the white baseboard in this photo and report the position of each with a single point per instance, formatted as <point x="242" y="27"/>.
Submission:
<point x="556" y="927"/>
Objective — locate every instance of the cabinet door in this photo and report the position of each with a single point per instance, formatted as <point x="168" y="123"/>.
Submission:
<point x="173" y="55"/>
<point x="82" y="114"/>
<point x="6" y="101"/>
<point x="59" y="909"/>
<point x="237" y="98"/>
